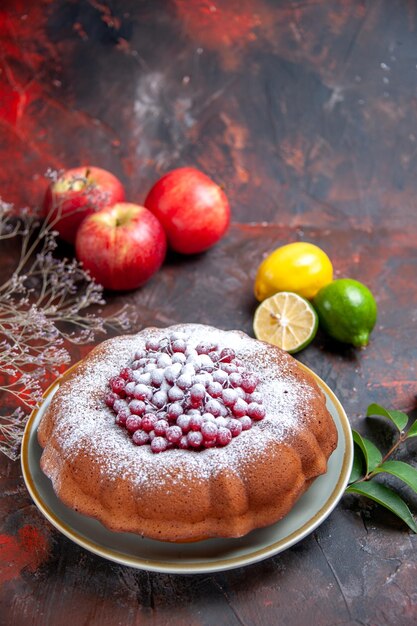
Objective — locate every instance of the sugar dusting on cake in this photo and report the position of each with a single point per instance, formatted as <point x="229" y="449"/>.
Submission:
<point x="87" y="422"/>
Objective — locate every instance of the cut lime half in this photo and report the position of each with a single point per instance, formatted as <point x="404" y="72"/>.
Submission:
<point x="286" y="320"/>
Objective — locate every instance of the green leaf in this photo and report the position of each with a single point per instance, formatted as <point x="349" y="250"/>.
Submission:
<point x="372" y="455"/>
<point x="412" y="432"/>
<point x="387" y="498"/>
<point x="357" y="466"/>
<point x="403" y="471"/>
<point x="398" y="418"/>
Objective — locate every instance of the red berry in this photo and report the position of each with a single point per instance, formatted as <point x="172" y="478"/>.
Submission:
<point x="214" y="407"/>
<point x="175" y="394"/>
<point x="209" y="431"/>
<point x="110" y="398"/>
<point x="148" y="422"/>
<point x="126" y="373"/>
<point x="224" y="437"/>
<point x="152" y="345"/>
<point x="195" y="439"/>
<point x="221" y="422"/>
<point x="159" y="444"/>
<point x="122" y="416"/>
<point x="249" y="382"/>
<point x="183" y="443"/>
<point x="214" y="355"/>
<point x="137" y="407"/>
<point x="227" y="355"/>
<point x="142" y="392"/>
<point x="119" y="404"/>
<point x="220" y="376"/>
<point x="235" y="427"/>
<point x="179" y="357"/>
<point x="133" y="423"/>
<point x="183" y="421"/>
<point x="245" y="422"/>
<point x="228" y="367"/>
<point x="191" y="355"/>
<point x="160" y="427"/>
<point x="203" y="378"/>
<point x="256" y="396"/>
<point x="256" y="411"/>
<point x="206" y="363"/>
<point x="197" y="394"/>
<point x="195" y="422"/>
<point x="240" y="408"/>
<point x="235" y="379"/>
<point x="157" y="376"/>
<point x="174" y="410"/>
<point x="140" y="438"/>
<point x="159" y="399"/>
<point x="184" y="381"/>
<point x="225" y="411"/>
<point x="179" y="345"/>
<point x="144" y="378"/>
<point x="117" y="384"/>
<point x="173" y="434"/>
<point x="188" y="369"/>
<point x="172" y="372"/>
<point x="204" y="347"/>
<point x="130" y="388"/>
<point x="215" y="389"/>
<point x="229" y="397"/>
<point x="164" y="360"/>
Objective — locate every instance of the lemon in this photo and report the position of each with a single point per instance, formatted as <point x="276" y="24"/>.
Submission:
<point x="286" y="320"/>
<point x="299" y="267"/>
<point x="347" y="311"/>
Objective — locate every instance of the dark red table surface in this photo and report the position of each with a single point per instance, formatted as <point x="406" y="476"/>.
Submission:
<point x="306" y="112"/>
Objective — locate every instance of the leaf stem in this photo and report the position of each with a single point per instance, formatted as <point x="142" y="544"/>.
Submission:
<point x="370" y="475"/>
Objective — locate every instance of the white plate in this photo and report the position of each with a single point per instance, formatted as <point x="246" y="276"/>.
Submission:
<point x="204" y="556"/>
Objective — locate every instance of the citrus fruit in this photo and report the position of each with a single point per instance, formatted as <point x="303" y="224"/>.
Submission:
<point x="347" y="311"/>
<point x="286" y="320"/>
<point x="299" y="267"/>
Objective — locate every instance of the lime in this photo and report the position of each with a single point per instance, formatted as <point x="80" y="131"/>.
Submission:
<point x="286" y="320"/>
<point x="347" y="311"/>
<point x="299" y="267"/>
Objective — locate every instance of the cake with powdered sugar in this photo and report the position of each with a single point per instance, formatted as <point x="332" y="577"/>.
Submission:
<point x="186" y="433"/>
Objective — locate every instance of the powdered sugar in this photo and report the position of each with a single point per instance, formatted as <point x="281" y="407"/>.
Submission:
<point x="84" y="422"/>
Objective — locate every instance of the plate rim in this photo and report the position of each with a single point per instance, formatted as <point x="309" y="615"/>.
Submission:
<point x="202" y="566"/>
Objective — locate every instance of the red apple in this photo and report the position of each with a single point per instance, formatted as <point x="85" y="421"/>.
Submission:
<point x="76" y="194"/>
<point x="193" y="210"/>
<point x="121" y="246"/>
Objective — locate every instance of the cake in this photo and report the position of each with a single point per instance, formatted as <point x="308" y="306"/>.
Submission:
<point x="185" y="433"/>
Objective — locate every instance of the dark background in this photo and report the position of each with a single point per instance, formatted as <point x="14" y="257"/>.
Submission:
<point x="306" y="113"/>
